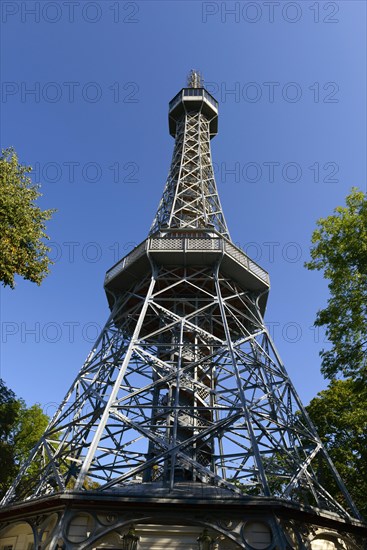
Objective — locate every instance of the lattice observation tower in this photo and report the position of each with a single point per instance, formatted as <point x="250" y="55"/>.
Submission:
<point x="183" y="424"/>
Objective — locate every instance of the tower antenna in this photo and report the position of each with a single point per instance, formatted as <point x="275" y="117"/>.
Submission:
<point x="195" y="79"/>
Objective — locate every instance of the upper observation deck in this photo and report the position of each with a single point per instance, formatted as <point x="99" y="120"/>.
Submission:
<point x="193" y="99"/>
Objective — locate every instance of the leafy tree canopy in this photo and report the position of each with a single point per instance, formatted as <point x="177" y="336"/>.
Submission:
<point x="340" y="416"/>
<point x="340" y="251"/>
<point x="22" y="224"/>
<point x="20" y="429"/>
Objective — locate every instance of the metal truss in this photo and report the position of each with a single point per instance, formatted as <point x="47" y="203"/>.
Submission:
<point x="184" y="384"/>
<point x="190" y="198"/>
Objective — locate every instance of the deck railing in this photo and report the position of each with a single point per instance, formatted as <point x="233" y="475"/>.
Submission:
<point x="199" y="244"/>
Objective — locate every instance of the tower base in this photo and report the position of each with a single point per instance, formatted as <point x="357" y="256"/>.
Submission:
<point x="193" y="516"/>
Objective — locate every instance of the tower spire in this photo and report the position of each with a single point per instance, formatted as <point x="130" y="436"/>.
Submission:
<point x="190" y="199"/>
<point x="195" y="79"/>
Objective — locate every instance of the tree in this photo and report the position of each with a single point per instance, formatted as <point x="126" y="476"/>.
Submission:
<point x="340" y="250"/>
<point x="9" y="410"/>
<point x="340" y="416"/>
<point x="340" y="412"/>
<point x="22" y="224"/>
<point x="20" y="429"/>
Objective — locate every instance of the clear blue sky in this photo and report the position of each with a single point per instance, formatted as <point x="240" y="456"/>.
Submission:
<point x="95" y="128"/>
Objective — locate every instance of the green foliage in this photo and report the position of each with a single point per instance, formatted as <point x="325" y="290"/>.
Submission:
<point x="22" y="224"/>
<point x="340" y="250"/>
<point x="9" y="410"/>
<point x="340" y="416"/>
<point x="20" y="429"/>
<point x="340" y="412"/>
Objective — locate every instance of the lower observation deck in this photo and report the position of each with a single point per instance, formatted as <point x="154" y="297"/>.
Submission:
<point x="187" y="249"/>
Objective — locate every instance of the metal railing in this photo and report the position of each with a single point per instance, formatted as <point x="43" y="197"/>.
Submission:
<point x="125" y="262"/>
<point x="193" y="92"/>
<point x="199" y="244"/>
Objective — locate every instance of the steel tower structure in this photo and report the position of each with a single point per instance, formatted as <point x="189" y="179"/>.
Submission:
<point x="184" y="391"/>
